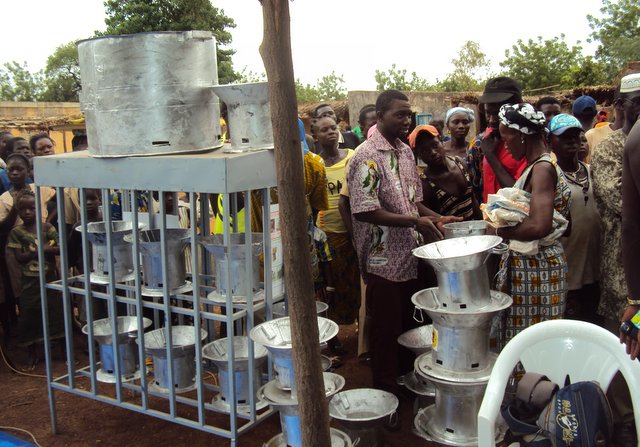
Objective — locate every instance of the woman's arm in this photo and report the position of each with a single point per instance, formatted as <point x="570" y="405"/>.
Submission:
<point x="540" y="220"/>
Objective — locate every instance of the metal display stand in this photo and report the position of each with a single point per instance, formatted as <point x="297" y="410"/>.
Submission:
<point x="203" y="174"/>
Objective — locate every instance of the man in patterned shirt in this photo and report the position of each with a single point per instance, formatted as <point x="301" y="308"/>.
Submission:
<point x="389" y="221"/>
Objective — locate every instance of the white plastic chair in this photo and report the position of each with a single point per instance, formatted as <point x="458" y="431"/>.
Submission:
<point x="557" y="348"/>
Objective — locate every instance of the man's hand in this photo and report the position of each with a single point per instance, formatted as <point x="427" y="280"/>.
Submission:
<point x="633" y="345"/>
<point x="443" y="220"/>
<point x="426" y="227"/>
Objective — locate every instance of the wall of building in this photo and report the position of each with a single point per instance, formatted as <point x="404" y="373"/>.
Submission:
<point x="25" y="119"/>
<point x="435" y="103"/>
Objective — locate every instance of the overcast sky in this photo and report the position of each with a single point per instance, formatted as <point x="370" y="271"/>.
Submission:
<point x="351" y="37"/>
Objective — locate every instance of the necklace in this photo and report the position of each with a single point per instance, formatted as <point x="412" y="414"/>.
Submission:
<point x="583" y="182"/>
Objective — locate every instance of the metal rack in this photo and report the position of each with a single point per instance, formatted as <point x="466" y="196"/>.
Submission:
<point x="199" y="175"/>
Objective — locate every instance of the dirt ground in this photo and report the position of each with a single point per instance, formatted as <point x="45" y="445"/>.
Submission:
<point x="85" y="422"/>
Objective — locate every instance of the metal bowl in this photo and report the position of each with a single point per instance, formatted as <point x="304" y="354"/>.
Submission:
<point x="458" y="254"/>
<point x="216" y="351"/>
<point x="417" y="340"/>
<point x="363" y="405"/>
<point x="127" y="326"/>
<point x="276" y="334"/>
<point x="183" y="338"/>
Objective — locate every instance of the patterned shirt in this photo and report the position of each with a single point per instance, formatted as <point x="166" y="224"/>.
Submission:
<point x="382" y="176"/>
<point x="606" y="170"/>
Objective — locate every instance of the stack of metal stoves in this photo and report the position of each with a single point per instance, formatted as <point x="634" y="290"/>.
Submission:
<point x="281" y="392"/>
<point x="459" y="364"/>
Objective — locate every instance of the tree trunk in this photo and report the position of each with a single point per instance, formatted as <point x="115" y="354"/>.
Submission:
<point x="276" y="54"/>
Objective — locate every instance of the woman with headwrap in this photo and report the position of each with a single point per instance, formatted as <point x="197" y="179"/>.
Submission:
<point x="458" y="123"/>
<point x="446" y="184"/>
<point x="537" y="282"/>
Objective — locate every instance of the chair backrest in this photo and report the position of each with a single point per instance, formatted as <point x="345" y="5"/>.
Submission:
<point x="557" y="348"/>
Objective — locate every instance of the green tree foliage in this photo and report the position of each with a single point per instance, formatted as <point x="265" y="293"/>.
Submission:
<point x="618" y="32"/>
<point x="542" y="63"/>
<point x="587" y="72"/>
<point x="471" y="68"/>
<point x="395" y="78"/>
<point x="62" y="75"/>
<point x="135" y="16"/>
<point x="17" y="83"/>
<point x="247" y="76"/>
<point x="331" y="87"/>
<point x="328" y="88"/>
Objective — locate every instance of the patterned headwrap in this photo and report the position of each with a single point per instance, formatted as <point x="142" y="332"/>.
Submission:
<point x="522" y="117"/>
<point x="470" y="114"/>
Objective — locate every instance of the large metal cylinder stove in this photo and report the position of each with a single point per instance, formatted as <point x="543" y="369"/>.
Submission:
<point x="459" y="363"/>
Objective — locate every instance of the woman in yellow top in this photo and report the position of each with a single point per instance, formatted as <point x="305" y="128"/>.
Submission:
<point x="344" y="301"/>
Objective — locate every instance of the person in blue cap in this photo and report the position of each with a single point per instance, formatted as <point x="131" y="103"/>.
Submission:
<point x="585" y="109"/>
<point x="582" y="246"/>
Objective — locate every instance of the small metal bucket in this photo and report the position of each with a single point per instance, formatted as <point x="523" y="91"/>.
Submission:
<point x="468" y="228"/>
<point x="183" y="353"/>
<point x="126" y="348"/>
<point x="362" y="413"/>
<point x="249" y="115"/>
<point x="237" y="261"/>
<point x="216" y="351"/>
<point x="150" y="249"/>
<point x="122" y="254"/>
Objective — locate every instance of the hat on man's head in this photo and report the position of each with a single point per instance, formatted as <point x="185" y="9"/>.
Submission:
<point x="562" y="122"/>
<point x="413" y="136"/>
<point x="630" y="83"/>
<point x="584" y="105"/>
<point x="500" y="89"/>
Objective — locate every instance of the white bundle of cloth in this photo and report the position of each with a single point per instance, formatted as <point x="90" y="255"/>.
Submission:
<point x="508" y="207"/>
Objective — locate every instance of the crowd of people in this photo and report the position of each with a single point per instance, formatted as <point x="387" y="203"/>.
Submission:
<point x="402" y="183"/>
<point x="379" y="191"/>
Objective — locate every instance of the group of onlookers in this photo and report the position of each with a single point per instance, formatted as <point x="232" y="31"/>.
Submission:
<point x="400" y="185"/>
<point x="375" y="193"/>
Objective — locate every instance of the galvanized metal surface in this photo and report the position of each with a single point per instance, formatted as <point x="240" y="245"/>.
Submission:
<point x="230" y="259"/>
<point x="461" y="336"/>
<point x="467" y="228"/>
<point x="213" y="172"/>
<point x="125" y="390"/>
<point x="338" y="439"/>
<point x="418" y="340"/>
<point x="122" y="255"/>
<point x="276" y="334"/>
<point x="458" y="254"/>
<point x="280" y="309"/>
<point x="149" y="93"/>
<point x="249" y="115"/>
<point x="151" y="248"/>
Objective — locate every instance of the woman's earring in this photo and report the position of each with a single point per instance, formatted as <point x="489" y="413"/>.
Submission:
<point x="522" y="139"/>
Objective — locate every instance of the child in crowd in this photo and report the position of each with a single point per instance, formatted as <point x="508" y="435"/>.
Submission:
<point x="23" y="243"/>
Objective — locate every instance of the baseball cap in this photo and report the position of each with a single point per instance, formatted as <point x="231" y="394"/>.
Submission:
<point x="413" y="136"/>
<point x="500" y="89"/>
<point x="584" y="105"/>
<point x="560" y="123"/>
